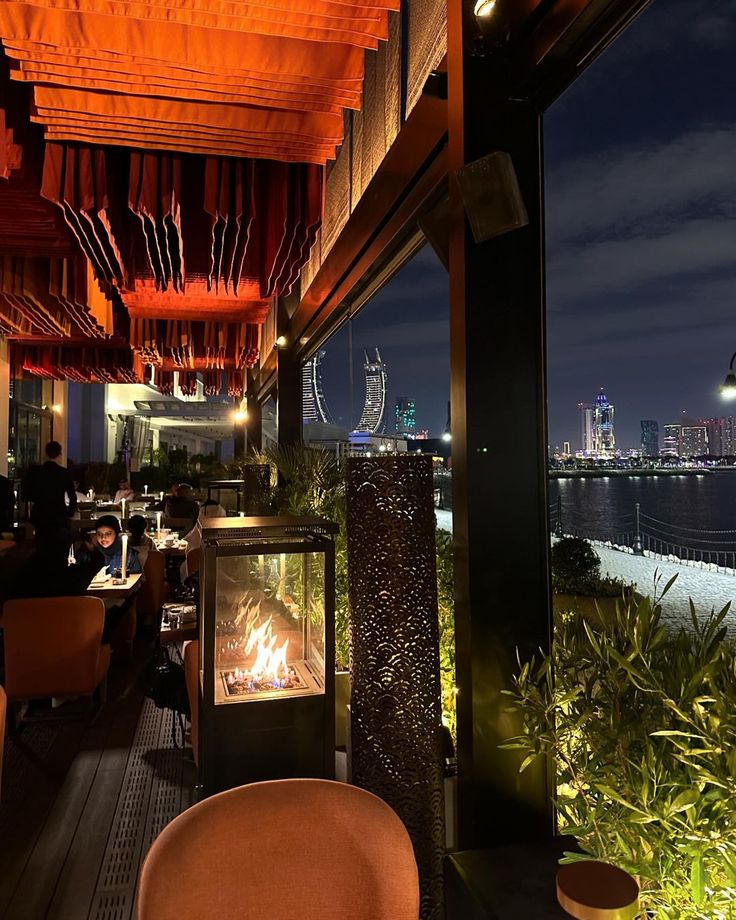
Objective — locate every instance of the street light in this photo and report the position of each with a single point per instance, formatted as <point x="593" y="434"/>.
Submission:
<point x="484" y="8"/>
<point x="447" y="436"/>
<point x="728" y="387"/>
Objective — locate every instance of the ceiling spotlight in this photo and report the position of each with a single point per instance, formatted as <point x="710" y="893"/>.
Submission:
<point x="281" y="341"/>
<point x="484" y="8"/>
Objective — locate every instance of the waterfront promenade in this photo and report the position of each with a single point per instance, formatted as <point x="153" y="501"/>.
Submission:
<point x="708" y="589"/>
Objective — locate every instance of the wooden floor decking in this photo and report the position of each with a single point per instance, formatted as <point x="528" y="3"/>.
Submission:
<point x="82" y="800"/>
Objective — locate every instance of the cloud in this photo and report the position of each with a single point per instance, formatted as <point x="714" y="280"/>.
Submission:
<point x="700" y="305"/>
<point x="612" y="194"/>
<point x="699" y="245"/>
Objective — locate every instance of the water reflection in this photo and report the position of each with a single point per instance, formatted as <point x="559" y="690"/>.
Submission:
<point x="603" y="507"/>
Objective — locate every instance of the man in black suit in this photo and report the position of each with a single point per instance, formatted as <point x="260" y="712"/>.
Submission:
<point x="48" y="487"/>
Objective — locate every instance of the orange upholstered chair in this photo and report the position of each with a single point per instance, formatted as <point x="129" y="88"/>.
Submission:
<point x="52" y="647"/>
<point x="292" y="849"/>
<point x="3" y="712"/>
<point x="191" y="674"/>
<point x="154" y="591"/>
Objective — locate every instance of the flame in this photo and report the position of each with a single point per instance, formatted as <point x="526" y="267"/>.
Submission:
<point x="270" y="662"/>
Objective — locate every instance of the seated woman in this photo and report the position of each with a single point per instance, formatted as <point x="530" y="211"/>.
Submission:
<point x="108" y="544"/>
<point x="141" y="543"/>
<point x="104" y="547"/>
<point x="124" y="492"/>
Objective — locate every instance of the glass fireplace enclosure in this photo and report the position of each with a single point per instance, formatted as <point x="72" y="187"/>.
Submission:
<point x="267" y="644"/>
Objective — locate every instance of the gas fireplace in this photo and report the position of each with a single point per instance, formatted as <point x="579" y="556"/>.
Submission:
<point x="267" y="647"/>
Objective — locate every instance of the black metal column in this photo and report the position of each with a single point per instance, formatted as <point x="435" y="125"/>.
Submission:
<point x="254" y="436"/>
<point x="289" y="384"/>
<point x="239" y="435"/>
<point x="498" y="449"/>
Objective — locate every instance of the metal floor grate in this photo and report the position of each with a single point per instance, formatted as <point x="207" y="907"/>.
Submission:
<point x="149" y="798"/>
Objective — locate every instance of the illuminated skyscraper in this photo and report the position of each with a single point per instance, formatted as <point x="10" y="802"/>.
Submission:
<point x="372" y="417"/>
<point x="314" y="406"/>
<point x="694" y="442"/>
<point x="405" y="412"/>
<point x="671" y="442"/>
<point x="604" y="439"/>
<point x="649" y="438"/>
<point x="586" y="427"/>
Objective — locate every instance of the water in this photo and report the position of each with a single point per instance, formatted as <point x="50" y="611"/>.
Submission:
<point x="684" y="511"/>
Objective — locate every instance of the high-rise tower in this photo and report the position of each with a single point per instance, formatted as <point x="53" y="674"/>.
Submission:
<point x="587" y="439"/>
<point x="603" y="434"/>
<point x="314" y="406"/>
<point x="405" y="411"/>
<point x="372" y="417"/>
<point x="649" y="438"/>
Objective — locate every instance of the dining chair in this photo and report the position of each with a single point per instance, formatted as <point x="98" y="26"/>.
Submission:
<point x="154" y="590"/>
<point x="310" y="849"/>
<point x="53" y="648"/>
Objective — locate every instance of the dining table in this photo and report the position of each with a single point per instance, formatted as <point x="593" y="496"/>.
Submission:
<point x="104" y="587"/>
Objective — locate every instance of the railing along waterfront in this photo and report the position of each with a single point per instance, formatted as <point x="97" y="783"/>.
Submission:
<point x="644" y="534"/>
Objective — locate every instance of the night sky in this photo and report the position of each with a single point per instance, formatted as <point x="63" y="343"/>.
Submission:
<point x="641" y="241"/>
<point x="641" y="222"/>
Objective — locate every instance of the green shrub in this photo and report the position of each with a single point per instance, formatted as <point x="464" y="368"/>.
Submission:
<point x="641" y="722"/>
<point x="576" y="567"/>
<point x="446" y="606"/>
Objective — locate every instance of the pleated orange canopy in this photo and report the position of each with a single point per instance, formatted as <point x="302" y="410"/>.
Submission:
<point x="185" y="148"/>
<point x="264" y="78"/>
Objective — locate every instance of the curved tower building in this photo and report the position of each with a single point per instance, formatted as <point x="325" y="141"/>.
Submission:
<point x="314" y="405"/>
<point x="372" y="419"/>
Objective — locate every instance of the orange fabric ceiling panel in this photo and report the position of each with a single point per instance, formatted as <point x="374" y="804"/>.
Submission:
<point x="157" y="142"/>
<point x="77" y="121"/>
<point x="137" y="84"/>
<point x="205" y="71"/>
<point x="287" y="125"/>
<point x="179" y="44"/>
<point x="350" y="30"/>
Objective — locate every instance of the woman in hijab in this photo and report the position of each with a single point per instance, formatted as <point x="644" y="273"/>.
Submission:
<point x="110" y="546"/>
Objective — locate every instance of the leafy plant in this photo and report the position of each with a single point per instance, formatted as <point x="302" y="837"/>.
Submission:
<point x="576" y="569"/>
<point x="446" y="605"/>
<point x="641" y="722"/>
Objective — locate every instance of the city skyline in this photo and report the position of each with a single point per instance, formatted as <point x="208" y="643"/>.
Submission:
<point x="641" y="228"/>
